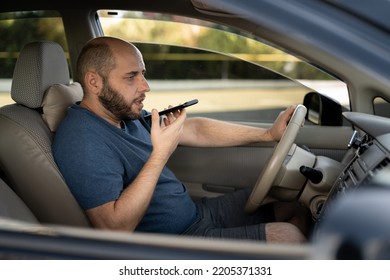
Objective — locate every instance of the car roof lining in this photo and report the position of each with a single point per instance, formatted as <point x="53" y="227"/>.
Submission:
<point x="377" y="15"/>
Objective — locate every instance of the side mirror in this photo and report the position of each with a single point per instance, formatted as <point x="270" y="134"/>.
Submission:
<point x="322" y="110"/>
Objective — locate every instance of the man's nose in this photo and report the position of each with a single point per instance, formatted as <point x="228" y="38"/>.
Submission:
<point x="145" y="85"/>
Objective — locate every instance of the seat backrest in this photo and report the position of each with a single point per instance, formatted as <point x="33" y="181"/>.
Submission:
<point x="11" y="206"/>
<point x="42" y="92"/>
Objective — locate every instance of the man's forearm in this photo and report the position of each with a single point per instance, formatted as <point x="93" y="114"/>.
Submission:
<point x="204" y="132"/>
<point x="128" y="210"/>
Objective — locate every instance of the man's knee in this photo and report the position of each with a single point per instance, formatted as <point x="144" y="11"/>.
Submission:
<point x="283" y="233"/>
<point x="294" y="213"/>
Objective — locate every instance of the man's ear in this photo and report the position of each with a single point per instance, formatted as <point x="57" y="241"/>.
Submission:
<point x="93" y="82"/>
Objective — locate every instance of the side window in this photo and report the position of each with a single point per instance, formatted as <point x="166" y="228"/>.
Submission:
<point x="235" y="76"/>
<point x="18" y="29"/>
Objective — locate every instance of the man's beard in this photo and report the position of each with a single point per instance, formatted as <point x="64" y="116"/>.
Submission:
<point x="116" y="104"/>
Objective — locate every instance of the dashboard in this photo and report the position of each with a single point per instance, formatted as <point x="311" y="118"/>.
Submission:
<point x="371" y="158"/>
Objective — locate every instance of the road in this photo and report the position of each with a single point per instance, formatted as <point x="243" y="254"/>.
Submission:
<point x="221" y="96"/>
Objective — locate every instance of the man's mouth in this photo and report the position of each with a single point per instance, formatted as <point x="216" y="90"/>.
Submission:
<point x="139" y="103"/>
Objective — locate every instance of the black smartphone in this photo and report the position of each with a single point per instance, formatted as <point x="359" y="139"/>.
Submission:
<point x="178" y="107"/>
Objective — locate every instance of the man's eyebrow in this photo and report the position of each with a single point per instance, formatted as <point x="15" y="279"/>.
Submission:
<point x="133" y="73"/>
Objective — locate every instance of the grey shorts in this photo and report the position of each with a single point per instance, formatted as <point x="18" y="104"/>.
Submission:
<point x="224" y="217"/>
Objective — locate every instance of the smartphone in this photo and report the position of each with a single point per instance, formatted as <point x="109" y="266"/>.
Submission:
<point x="178" y="107"/>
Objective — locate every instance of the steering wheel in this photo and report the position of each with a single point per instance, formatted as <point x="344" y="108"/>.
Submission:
<point x="267" y="177"/>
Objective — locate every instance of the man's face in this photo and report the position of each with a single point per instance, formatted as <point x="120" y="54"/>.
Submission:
<point x="124" y="89"/>
<point x="121" y="108"/>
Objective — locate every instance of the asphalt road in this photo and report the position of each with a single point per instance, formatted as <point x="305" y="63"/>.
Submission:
<point x="240" y="100"/>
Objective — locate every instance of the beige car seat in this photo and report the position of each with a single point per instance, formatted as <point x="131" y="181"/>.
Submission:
<point x="42" y="92"/>
<point x="11" y="206"/>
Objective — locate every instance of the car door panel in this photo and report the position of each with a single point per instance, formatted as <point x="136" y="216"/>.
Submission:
<point x="212" y="171"/>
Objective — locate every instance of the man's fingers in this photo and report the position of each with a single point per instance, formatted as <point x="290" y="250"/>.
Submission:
<point x="155" y="118"/>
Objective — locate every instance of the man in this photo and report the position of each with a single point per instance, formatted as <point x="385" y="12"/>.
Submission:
<point x="114" y="160"/>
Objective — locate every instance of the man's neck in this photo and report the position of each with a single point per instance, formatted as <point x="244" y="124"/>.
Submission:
<point x="101" y="112"/>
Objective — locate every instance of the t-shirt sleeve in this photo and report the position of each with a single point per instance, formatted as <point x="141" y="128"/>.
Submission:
<point x="98" y="178"/>
<point x="92" y="172"/>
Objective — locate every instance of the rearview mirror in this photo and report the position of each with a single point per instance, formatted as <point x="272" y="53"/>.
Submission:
<point x="322" y="110"/>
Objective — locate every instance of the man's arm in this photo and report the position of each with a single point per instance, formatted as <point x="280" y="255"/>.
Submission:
<point x="203" y="132"/>
<point x="127" y="211"/>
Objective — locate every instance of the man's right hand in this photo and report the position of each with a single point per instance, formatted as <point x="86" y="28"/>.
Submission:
<point x="165" y="137"/>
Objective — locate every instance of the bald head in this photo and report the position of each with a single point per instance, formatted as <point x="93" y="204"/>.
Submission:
<point x="111" y="71"/>
<point x="101" y="55"/>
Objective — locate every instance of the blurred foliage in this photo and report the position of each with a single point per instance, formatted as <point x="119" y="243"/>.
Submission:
<point x="18" y="29"/>
<point x="175" y="62"/>
<point x="165" y="45"/>
<point x="197" y="35"/>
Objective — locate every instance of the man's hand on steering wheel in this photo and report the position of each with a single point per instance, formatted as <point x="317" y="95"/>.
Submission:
<point x="286" y="128"/>
<point x="281" y="122"/>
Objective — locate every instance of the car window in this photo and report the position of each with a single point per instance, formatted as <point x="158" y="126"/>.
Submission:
<point x="234" y="75"/>
<point x="17" y="29"/>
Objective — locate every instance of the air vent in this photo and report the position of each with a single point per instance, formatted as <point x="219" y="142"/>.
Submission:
<point x="380" y="174"/>
<point x="382" y="165"/>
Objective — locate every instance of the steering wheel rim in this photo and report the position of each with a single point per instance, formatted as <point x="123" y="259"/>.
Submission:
<point x="269" y="173"/>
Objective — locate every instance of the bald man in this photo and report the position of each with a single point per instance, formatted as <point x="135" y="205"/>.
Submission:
<point x="114" y="160"/>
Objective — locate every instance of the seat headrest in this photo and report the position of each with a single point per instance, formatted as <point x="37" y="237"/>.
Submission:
<point x="40" y="65"/>
<point x="56" y="101"/>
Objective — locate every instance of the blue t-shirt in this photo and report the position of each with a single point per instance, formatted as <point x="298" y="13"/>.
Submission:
<point x="99" y="160"/>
